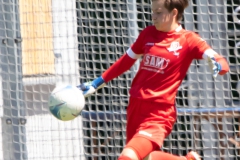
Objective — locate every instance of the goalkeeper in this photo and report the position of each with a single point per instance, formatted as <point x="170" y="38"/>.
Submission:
<point x="167" y="51"/>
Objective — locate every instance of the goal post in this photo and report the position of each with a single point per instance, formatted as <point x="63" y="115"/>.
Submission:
<point x="45" y="43"/>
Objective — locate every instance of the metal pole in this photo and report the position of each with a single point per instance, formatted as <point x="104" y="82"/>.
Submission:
<point x="14" y="138"/>
<point x="132" y="29"/>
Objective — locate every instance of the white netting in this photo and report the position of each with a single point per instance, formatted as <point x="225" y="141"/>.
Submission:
<point x="54" y="41"/>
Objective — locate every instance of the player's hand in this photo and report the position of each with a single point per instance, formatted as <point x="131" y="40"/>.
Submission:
<point x="214" y="66"/>
<point x="89" y="88"/>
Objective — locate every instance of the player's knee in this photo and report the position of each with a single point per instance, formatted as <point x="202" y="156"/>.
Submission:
<point x="128" y="154"/>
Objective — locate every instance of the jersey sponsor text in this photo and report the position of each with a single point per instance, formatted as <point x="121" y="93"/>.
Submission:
<point x="155" y="62"/>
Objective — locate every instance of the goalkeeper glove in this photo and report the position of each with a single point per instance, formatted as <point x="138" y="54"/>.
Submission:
<point x="89" y="88"/>
<point x="214" y="66"/>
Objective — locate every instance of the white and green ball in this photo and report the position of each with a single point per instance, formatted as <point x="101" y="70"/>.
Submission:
<point x="66" y="102"/>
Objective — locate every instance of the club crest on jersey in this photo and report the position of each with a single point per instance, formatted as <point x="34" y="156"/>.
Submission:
<point x="174" y="47"/>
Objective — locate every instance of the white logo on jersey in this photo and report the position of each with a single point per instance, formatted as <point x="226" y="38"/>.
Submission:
<point x="149" y="44"/>
<point x="145" y="133"/>
<point x="156" y="62"/>
<point x="175" y="46"/>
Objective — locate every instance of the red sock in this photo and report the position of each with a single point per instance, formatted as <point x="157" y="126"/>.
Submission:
<point x="124" y="158"/>
<point x="156" y="155"/>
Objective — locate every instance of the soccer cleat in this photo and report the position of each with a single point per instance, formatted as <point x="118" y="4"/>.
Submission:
<point x="193" y="156"/>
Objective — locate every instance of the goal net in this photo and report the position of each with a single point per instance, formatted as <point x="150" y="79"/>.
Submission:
<point x="48" y="42"/>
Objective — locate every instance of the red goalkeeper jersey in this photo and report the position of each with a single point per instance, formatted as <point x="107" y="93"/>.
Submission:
<point x="166" y="57"/>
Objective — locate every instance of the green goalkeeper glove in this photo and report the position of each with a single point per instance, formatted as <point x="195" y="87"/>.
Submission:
<point x="214" y="66"/>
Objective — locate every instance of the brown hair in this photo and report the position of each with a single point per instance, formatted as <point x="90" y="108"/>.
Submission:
<point x="180" y="5"/>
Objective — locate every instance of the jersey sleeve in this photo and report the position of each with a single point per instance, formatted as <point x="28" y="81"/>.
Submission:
<point x="119" y="67"/>
<point x="138" y="45"/>
<point x="197" y="45"/>
<point x="127" y="60"/>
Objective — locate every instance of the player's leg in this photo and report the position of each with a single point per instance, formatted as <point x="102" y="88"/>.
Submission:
<point x="148" y="123"/>
<point x="137" y="149"/>
<point x="140" y="148"/>
<point x="157" y="154"/>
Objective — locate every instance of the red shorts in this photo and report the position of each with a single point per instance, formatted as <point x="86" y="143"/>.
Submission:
<point x="151" y="120"/>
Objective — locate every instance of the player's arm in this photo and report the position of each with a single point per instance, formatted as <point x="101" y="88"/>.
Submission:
<point x="216" y="62"/>
<point x="201" y="50"/>
<point x="120" y="66"/>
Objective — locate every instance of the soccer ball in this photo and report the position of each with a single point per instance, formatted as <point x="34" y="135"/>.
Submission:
<point x="66" y="102"/>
